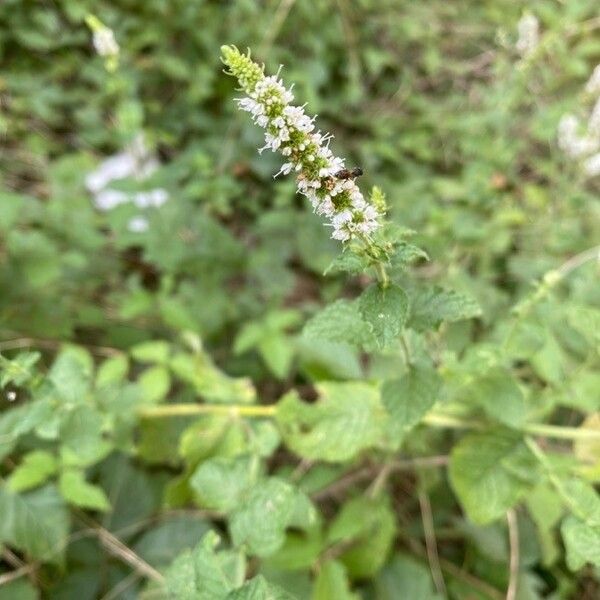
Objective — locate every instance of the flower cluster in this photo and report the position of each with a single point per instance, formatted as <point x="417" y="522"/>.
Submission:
<point x="528" y="28"/>
<point x="104" y="42"/>
<point x="290" y="131"/>
<point x="583" y="143"/>
<point x="135" y="161"/>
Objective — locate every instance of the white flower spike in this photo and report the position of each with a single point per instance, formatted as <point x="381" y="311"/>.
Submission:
<point x="290" y="131"/>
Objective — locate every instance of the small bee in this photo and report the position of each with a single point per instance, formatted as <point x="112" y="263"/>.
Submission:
<point x="349" y="174"/>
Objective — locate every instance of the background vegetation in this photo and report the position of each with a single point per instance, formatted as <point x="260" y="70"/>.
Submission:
<point x="103" y="491"/>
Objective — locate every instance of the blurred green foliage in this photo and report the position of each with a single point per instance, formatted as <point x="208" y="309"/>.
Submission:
<point x="98" y="322"/>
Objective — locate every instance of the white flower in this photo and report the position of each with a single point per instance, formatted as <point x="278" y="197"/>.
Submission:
<point x="135" y="161"/>
<point x="591" y="166"/>
<point x="594" y="120"/>
<point x="593" y="84"/>
<point x="104" y="42"/>
<point x="138" y="224"/>
<point x="529" y="34"/>
<point x="289" y="130"/>
<point x="569" y="140"/>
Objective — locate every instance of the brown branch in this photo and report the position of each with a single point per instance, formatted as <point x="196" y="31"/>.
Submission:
<point x="431" y="544"/>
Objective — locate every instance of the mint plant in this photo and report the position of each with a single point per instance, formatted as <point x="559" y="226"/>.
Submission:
<point x="269" y="388"/>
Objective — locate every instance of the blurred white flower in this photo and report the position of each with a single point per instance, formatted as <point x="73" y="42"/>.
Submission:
<point x="594" y="120"/>
<point x="104" y="42"/>
<point x="135" y="161"/>
<point x="138" y="224"/>
<point x="569" y="140"/>
<point x="593" y="83"/>
<point x="528" y="28"/>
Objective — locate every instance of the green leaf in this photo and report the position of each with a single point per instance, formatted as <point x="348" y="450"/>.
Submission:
<point x="161" y="544"/>
<point x="500" y="396"/>
<point x="385" y="309"/>
<point x="339" y="322"/>
<point x="408" y="398"/>
<point x="348" y="262"/>
<point x="20" y="420"/>
<point x="546" y="508"/>
<point x="37" y="466"/>
<point x="76" y="490"/>
<point x="583" y="500"/>
<point x="71" y="374"/>
<point x="19" y="589"/>
<point x="204" y="573"/>
<point x="270" y="508"/>
<point x="347" y="418"/>
<point x="432" y="306"/>
<point x="155" y="383"/>
<point x="151" y="352"/>
<point x="259" y="588"/>
<point x="18" y="370"/>
<point x="36" y="523"/>
<point x="211" y="383"/>
<point x="404" y="577"/>
<point x="484" y="472"/>
<point x="278" y="352"/>
<point x="332" y="582"/>
<point x="582" y="542"/>
<point x="112" y="370"/>
<point x="221" y="483"/>
<point x="81" y="437"/>
<point x="370" y="524"/>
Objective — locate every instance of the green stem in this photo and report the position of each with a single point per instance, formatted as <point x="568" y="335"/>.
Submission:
<point x="432" y="419"/>
<point x="541" y="429"/>
<point x="183" y="410"/>
<point x="382" y="274"/>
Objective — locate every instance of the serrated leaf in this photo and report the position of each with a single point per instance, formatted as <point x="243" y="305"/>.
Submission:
<point x="482" y="476"/>
<point x="81" y="437"/>
<point x="160" y="545"/>
<point x="270" y="507"/>
<point x="371" y="525"/>
<point x="19" y="370"/>
<point x="385" y="309"/>
<point x="259" y="588"/>
<point x="432" y="306"/>
<point x="37" y="523"/>
<point x="582" y="543"/>
<point x="347" y="418"/>
<point x="332" y="582"/>
<point x="348" y="262"/>
<point x="220" y="483"/>
<point x="408" y="398"/>
<point x="211" y="383"/>
<point x="583" y="500"/>
<point x="204" y="573"/>
<point x="71" y="375"/>
<point x="76" y="490"/>
<point x="339" y="322"/>
<point x="405" y="254"/>
<point x="156" y="351"/>
<point x="500" y="397"/>
<point x="35" y="468"/>
<point x="20" y="420"/>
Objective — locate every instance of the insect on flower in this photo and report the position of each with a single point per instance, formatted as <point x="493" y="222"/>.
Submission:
<point x="349" y="173"/>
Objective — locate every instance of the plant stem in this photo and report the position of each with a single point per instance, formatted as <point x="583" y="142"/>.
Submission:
<point x="541" y="429"/>
<point x="182" y="410"/>
<point x="432" y="419"/>
<point x="382" y="274"/>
